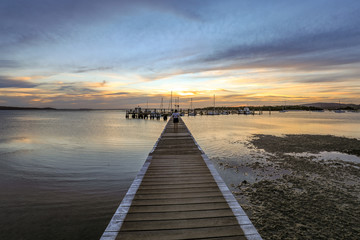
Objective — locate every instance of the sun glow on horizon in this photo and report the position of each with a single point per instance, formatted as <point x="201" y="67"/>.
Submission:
<point x="130" y="52"/>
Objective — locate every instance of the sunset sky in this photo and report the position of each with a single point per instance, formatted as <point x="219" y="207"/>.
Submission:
<point x="117" y="53"/>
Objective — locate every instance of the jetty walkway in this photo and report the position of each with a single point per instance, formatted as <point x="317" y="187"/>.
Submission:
<point x="178" y="194"/>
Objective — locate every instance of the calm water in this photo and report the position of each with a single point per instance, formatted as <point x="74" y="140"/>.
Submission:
<point x="63" y="173"/>
<point x="223" y="137"/>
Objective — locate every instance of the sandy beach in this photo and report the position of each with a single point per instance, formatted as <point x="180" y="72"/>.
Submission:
<point x="301" y="188"/>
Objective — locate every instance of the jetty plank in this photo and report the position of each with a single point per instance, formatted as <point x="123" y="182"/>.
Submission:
<point x="179" y="195"/>
<point x="188" y="215"/>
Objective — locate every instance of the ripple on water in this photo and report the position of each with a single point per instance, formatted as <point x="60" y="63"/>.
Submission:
<point x="63" y="174"/>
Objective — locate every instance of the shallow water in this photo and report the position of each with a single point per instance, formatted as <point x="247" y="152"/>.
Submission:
<point x="227" y="131"/>
<point x="224" y="137"/>
<point x="63" y="173"/>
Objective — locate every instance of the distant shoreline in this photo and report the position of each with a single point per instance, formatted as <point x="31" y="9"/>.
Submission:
<point x="54" y="109"/>
<point x="303" y="107"/>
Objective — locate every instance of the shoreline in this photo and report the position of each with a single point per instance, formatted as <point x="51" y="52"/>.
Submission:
<point x="289" y="195"/>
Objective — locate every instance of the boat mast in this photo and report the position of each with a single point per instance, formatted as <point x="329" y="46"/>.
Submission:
<point x="214" y="103"/>
<point x="162" y="103"/>
<point x="178" y="104"/>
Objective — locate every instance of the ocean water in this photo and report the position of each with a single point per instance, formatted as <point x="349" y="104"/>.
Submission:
<point x="64" y="173"/>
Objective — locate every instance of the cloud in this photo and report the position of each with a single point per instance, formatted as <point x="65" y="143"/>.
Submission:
<point x="27" y="22"/>
<point x="9" y="64"/>
<point x="184" y="9"/>
<point x="89" y="69"/>
<point x="117" y="94"/>
<point x="119" y="47"/>
<point x="322" y="79"/>
<point x="315" y="48"/>
<point x="295" y="43"/>
<point x="74" y="89"/>
<point x="6" y="82"/>
<point x="103" y="83"/>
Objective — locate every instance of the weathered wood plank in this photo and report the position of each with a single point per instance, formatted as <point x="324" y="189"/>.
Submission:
<point x="175" y="178"/>
<point x="172" y="174"/>
<point x="187" y="233"/>
<point x="215" y="193"/>
<point x="171" y="201"/>
<point x="178" y="207"/>
<point x="144" y="225"/>
<point x="225" y="212"/>
<point x="178" y="190"/>
<point x="173" y="182"/>
<point x="173" y="186"/>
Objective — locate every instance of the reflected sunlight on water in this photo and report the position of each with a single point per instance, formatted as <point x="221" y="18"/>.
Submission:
<point x="63" y="173"/>
<point x="233" y="128"/>
<point x="224" y="137"/>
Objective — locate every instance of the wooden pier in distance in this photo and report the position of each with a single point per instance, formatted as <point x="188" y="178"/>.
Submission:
<point x="178" y="194"/>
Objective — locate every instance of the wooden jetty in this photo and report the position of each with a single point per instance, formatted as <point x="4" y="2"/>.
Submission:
<point x="178" y="194"/>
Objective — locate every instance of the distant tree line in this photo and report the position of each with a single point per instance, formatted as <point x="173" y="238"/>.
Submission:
<point x="266" y="108"/>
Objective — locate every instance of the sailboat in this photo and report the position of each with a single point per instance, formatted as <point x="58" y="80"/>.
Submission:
<point x="213" y="112"/>
<point x="283" y="110"/>
<point x="339" y="110"/>
<point x="247" y="111"/>
<point x="191" y="111"/>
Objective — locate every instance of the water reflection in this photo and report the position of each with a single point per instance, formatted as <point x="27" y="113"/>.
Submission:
<point x="235" y="126"/>
<point x="63" y="173"/>
<point x="224" y="138"/>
